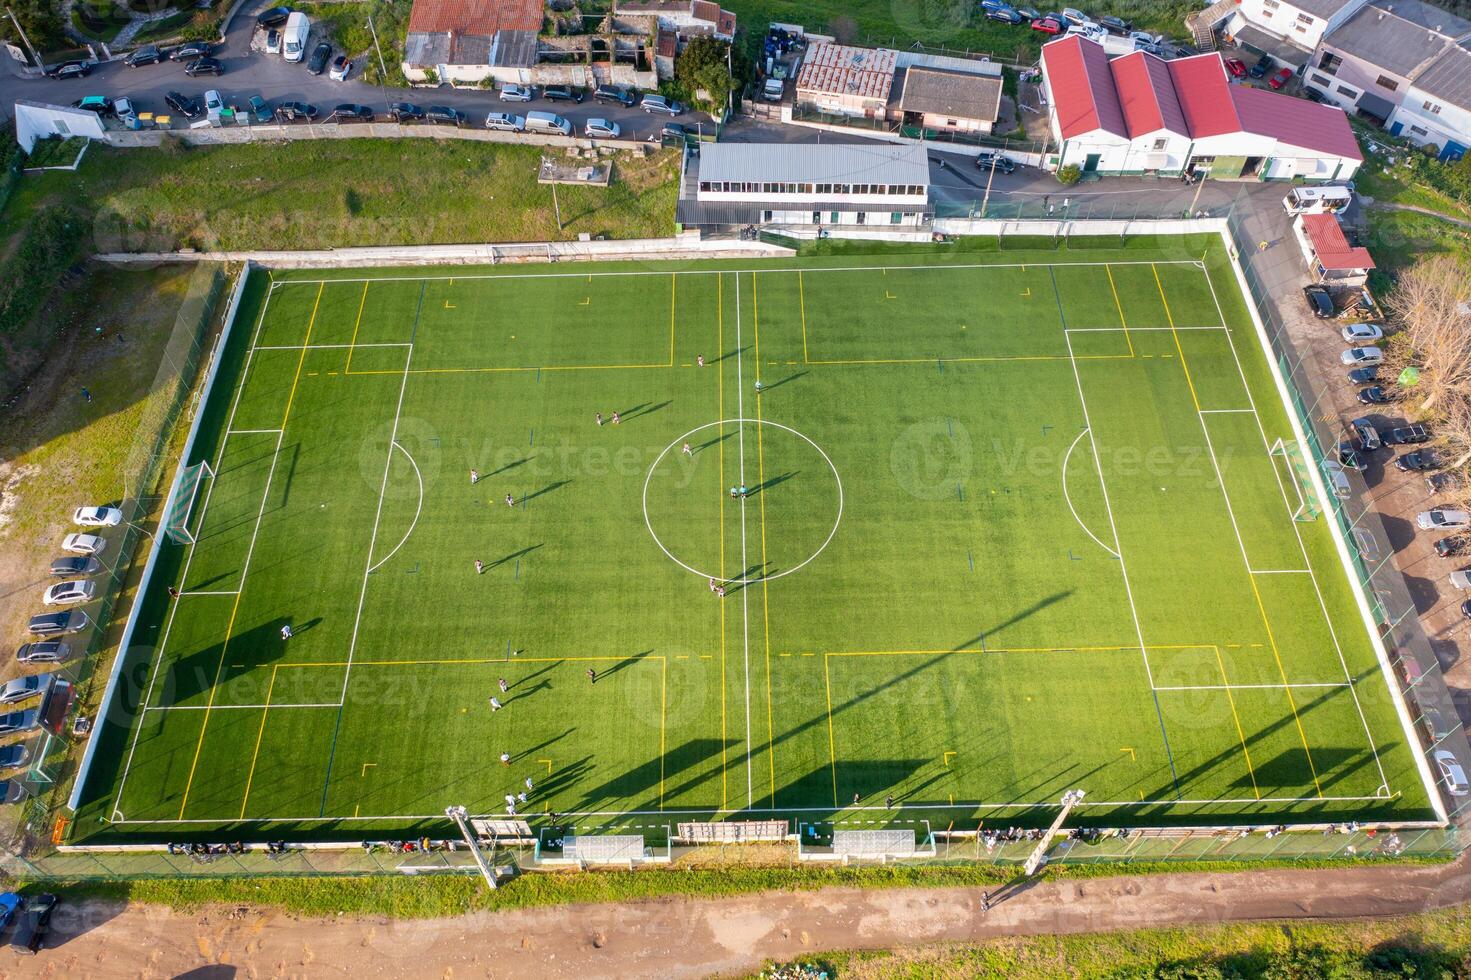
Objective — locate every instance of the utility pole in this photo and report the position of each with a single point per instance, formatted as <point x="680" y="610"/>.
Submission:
<point x="556" y="206"/>
<point x="25" y="40"/>
<point x="1070" y="799"/>
<point x="457" y="814"/>
<point x="382" y="68"/>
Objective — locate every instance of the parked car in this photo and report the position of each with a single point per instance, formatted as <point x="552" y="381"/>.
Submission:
<point x="58" y="623"/>
<point x="317" y="63"/>
<point x="1005" y="15"/>
<point x="1321" y="302"/>
<point x="83" y="544"/>
<point x="1047" y="25"/>
<point x="1405" y="435"/>
<point x="126" y="111"/>
<point x="1449" y="547"/>
<point x="1281" y="78"/>
<point x="443" y="115"/>
<point x="204" y="66"/>
<point x="272" y="17"/>
<point x="517" y="93"/>
<point x="341" y="68"/>
<point x="601" y="129"/>
<point x="1091" y="32"/>
<point x="99" y="104"/>
<point x="674" y="132"/>
<point x="995" y="161"/>
<point x="183" y="105"/>
<point x="658" y="103"/>
<point x="1075" y="16"/>
<point x="12" y="791"/>
<point x="295" y="112"/>
<point x="1367" y="435"/>
<point x="10" y="903"/>
<point x="43" y="652"/>
<point x="1260" y="69"/>
<point x="273" y="41"/>
<point x="1029" y="13"/>
<point x="1416" y="462"/>
<point x="69" y="593"/>
<point x="149" y="54"/>
<point x="505" y="122"/>
<point x="33" y="924"/>
<point x="1337" y="479"/>
<point x="403" y="112"/>
<point x="561" y="93"/>
<point x="20" y="721"/>
<point x="259" y="109"/>
<point x="214" y="103"/>
<point x="1451" y="773"/>
<point x="1372" y="396"/>
<point x="69" y="69"/>
<point x="350" y="112"/>
<point x="1364" y="375"/>
<point x="614" y="93"/>
<point x="1431" y="520"/>
<point x="191" y="51"/>
<point x="1362" y="357"/>
<point x="12" y="757"/>
<point x="1115" y="25"/>
<point x="24" y="688"/>
<point x="1350" y="458"/>
<point x="73" y="565"/>
<point x="1362" y="333"/>
<point x="992" y="4"/>
<point x="102" y="516"/>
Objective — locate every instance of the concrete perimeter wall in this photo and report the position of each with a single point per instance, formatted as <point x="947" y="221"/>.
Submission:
<point x="207" y="135"/>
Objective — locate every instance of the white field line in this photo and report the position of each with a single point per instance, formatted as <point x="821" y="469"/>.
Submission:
<point x="252" y="432"/>
<point x="1228" y="411"/>
<point x="418" y="509"/>
<point x="1280" y="571"/>
<point x="210" y="592"/>
<point x="228" y="707"/>
<point x="1250" y="687"/>
<point x="163" y="642"/>
<point x="330" y="346"/>
<point x="373" y="540"/>
<point x="712" y="272"/>
<point x="1133" y="329"/>
<point x="1123" y="566"/>
<point x="745" y="566"/>
<point x="1297" y="532"/>
<point x="1068" y="497"/>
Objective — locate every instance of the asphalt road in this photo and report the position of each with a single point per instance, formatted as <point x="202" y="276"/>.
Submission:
<point x="250" y="73"/>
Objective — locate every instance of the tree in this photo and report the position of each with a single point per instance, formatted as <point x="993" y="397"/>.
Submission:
<point x="1430" y="304"/>
<point x="41" y="20"/>
<point x="706" y="65"/>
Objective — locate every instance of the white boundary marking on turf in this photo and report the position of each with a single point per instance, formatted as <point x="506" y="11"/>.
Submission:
<point x="252" y="432"/>
<point x="357" y="620"/>
<point x="713" y="272"/>
<point x="745" y="565"/>
<point x="229" y="707"/>
<point x="1280" y="571"/>
<point x="1134" y="329"/>
<point x="1297" y="531"/>
<point x="159" y="655"/>
<point x="418" y="509"/>
<point x="329" y="346"/>
<point x="648" y="523"/>
<point x="1123" y="566"/>
<point x="1228" y="411"/>
<point x="1250" y="687"/>
<point x="1068" y="497"/>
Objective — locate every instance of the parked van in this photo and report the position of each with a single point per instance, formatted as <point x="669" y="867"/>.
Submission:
<point x="1317" y="200"/>
<point x="294" y="35"/>
<point x="1461" y="579"/>
<point x="547" y="122"/>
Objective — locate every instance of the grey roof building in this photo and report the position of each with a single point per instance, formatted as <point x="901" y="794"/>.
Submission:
<point x="952" y="94"/>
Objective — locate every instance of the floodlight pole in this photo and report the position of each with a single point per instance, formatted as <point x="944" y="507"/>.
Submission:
<point x="29" y="47"/>
<point x="1070" y="799"/>
<point x="557" y="207"/>
<point x="457" y="814"/>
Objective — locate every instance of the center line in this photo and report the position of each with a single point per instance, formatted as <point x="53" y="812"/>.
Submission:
<point x="745" y="566"/>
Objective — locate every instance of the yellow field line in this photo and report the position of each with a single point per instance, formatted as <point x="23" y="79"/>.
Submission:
<point x="1120" y="307"/>
<point x="720" y="491"/>
<point x="544" y="367"/>
<point x="977" y="360"/>
<point x="265" y="712"/>
<point x="932" y="653"/>
<point x="765" y="594"/>
<point x="1256" y="593"/>
<point x="832" y="751"/>
<point x="1231" y="700"/>
<point x="802" y="300"/>
<point x="357" y="323"/>
<point x="235" y="607"/>
<point x="486" y="660"/>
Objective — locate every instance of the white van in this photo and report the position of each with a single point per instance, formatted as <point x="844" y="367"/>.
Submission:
<point x="1461" y="579"/>
<point x="294" y="35"/>
<point x="1317" y="200"/>
<point x="547" y="122"/>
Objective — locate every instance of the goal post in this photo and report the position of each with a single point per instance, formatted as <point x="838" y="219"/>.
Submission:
<point x="1291" y="452"/>
<point x="181" y="502"/>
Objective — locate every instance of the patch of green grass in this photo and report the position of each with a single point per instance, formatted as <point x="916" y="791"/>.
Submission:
<point x="1398" y="239"/>
<point x="347" y="25"/>
<point x="336" y="193"/>
<point x="925" y="605"/>
<point x="100" y="20"/>
<point x="55" y="152"/>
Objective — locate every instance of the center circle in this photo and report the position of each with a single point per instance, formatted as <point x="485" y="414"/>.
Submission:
<point x="819" y="535"/>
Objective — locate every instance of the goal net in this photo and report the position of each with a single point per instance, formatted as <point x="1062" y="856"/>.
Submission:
<point x="1307" y="508"/>
<point x="181" y="502"/>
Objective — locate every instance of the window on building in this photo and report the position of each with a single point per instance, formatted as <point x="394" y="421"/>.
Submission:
<point x="1345" y="90"/>
<point x="1417" y="131"/>
<point x="1270" y="4"/>
<point x="1432" y="107"/>
<point x="896" y="217"/>
<point x="1330" y="62"/>
<point x="840" y="188"/>
<point x="1320" y="80"/>
<point x="1384" y="81"/>
<point x="1305" y="19"/>
<point x="1299" y="28"/>
<point x="1160" y="144"/>
<point x="833" y="216"/>
<point x="824" y="188"/>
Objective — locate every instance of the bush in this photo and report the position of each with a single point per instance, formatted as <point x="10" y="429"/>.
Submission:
<point x="50" y="244"/>
<point x="1069" y="175"/>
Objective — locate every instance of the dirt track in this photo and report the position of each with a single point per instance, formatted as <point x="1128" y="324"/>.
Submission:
<point x="684" y="938"/>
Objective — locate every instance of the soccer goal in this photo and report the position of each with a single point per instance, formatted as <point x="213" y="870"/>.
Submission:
<point x="181" y="502"/>
<point x="1302" y="480"/>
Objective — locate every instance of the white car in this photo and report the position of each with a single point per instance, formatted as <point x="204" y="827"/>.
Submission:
<point x="341" y="68"/>
<point x="517" y="93"/>
<point x="84" y="544"/>
<point x="23" y="689"/>
<point x="126" y="112"/>
<point x="1433" y="520"/>
<point x="273" y="41"/>
<point x="1452" y="773"/>
<point x="68" y="593"/>
<point x="506" y="122"/>
<point x="1362" y="333"/>
<point x="1362" y="357"/>
<point x="214" y="104"/>
<point x="658" y="103"/>
<point x="1089" y="32"/>
<point x="97" y="516"/>
<point x="602" y="128"/>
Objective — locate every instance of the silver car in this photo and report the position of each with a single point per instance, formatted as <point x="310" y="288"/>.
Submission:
<point x="1452" y="773"/>
<point x="602" y="129"/>
<point x="1362" y="357"/>
<point x="506" y="122"/>
<point x="24" y="688"/>
<point x="20" y="721"/>
<point x="69" y="593"/>
<point x="517" y="93"/>
<point x="1429" y="520"/>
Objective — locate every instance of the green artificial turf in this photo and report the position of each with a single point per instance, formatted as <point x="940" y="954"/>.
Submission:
<point x="1012" y="527"/>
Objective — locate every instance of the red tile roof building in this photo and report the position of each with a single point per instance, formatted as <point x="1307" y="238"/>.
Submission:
<point x="1328" y="252"/>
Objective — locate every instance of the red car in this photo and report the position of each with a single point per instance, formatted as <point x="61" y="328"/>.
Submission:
<point x="1281" y="78"/>
<point x="1236" y="67"/>
<point x="1047" y="26"/>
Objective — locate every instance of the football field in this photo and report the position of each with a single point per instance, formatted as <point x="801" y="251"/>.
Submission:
<point x="1013" y="523"/>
